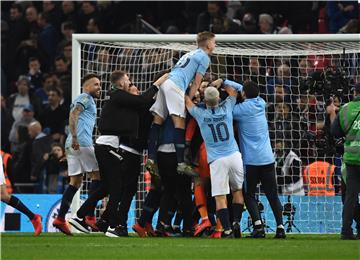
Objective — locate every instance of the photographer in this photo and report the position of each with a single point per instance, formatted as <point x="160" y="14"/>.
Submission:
<point x="56" y="168"/>
<point x="347" y="124"/>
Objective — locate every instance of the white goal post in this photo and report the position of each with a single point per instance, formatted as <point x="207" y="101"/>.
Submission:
<point x="241" y="57"/>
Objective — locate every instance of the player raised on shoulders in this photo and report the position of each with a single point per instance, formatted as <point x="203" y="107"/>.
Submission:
<point x="170" y="100"/>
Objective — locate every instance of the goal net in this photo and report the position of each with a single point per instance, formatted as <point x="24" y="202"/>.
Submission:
<point x="298" y="76"/>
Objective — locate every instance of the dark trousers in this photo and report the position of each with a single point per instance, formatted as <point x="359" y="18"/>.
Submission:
<point x="351" y="197"/>
<point x="118" y="180"/>
<point x="266" y="175"/>
<point x="177" y="190"/>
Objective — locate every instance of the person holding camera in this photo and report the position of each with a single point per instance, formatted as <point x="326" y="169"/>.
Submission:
<point x="347" y="124"/>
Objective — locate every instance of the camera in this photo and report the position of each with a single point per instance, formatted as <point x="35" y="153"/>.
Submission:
<point x="331" y="82"/>
<point x="289" y="209"/>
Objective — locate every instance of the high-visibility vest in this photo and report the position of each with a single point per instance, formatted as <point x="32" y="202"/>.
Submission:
<point x="350" y="124"/>
<point x="318" y="177"/>
<point x="5" y="159"/>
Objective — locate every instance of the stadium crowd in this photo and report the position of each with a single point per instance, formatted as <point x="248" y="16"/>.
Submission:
<point x="36" y="78"/>
<point x="36" y="64"/>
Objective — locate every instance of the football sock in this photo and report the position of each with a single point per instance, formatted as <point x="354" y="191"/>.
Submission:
<point x="237" y="211"/>
<point x="17" y="204"/>
<point x="179" y="140"/>
<point x="66" y="200"/>
<point x="95" y="184"/>
<point x="200" y="201"/>
<point x="153" y="141"/>
<point x="218" y="227"/>
<point x="146" y="216"/>
<point x="223" y="215"/>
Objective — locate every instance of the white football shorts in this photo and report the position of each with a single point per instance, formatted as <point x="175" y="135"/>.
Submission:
<point x="224" y="171"/>
<point x="81" y="161"/>
<point x="170" y="100"/>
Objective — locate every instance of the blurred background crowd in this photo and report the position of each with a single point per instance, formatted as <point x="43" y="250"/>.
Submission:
<point x="36" y="71"/>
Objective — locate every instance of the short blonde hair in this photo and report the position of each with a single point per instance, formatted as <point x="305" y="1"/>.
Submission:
<point x="203" y="37"/>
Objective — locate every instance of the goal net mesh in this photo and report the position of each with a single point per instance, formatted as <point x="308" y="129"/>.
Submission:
<point x="296" y="109"/>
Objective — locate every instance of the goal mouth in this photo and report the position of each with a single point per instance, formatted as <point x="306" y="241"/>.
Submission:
<point x="297" y="75"/>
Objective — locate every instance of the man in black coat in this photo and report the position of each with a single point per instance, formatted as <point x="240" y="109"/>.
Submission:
<point x="124" y="125"/>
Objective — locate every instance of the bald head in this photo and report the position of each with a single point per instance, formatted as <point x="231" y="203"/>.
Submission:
<point x="34" y="129"/>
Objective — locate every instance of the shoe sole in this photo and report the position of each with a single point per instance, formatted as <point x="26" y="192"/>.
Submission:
<point x="109" y="234"/>
<point x="77" y="226"/>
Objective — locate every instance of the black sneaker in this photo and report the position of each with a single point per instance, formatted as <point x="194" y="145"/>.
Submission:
<point x="102" y="225"/>
<point x="236" y="230"/>
<point x="257" y="233"/>
<point x="187" y="233"/>
<point x="79" y="224"/>
<point x="162" y="231"/>
<point x="118" y="231"/>
<point x="348" y="236"/>
<point x="227" y="234"/>
<point x="176" y="231"/>
<point x="280" y="233"/>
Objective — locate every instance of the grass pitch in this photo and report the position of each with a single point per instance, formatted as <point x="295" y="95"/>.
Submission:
<point x="97" y="246"/>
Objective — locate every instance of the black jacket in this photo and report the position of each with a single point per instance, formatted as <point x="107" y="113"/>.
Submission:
<point x="122" y="113"/>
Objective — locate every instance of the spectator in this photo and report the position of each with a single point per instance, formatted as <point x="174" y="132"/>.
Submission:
<point x="286" y="126"/>
<point x="93" y="25"/>
<point x="47" y="38"/>
<point x="31" y="18"/>
<point x="256" y="73"/>
<point x="67" y="30"/>
<point x="248" y="24"/>
<point x="101" y="65"/>
<point x="6" y="122"/>
<point x="68" y="10"/>
<point x="40" y="146"/>
<point x="266" y="24"/>
<point x="48" y="82"/>
<point x="67" y="52"/>
<point x="339" y="13"/>
<point x="288" y="169"/>
<point x="61" y="66"/>
<point x="18" y="31"/>
<point x="215" y="20"/>
<point x="35" y="74"/>
<point x="50" y="8"/>
<point x="56" y="168"/>
<point x="26" y="118"/>
<point x="306" y="68"/>
<point x="23" y="98"/>
<point x="54" y="116"/>
<point x="88" y="11"/>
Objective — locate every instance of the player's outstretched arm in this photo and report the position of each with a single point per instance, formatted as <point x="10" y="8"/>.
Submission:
<point x="188" y="103"/>
<point x="195" y="85"/>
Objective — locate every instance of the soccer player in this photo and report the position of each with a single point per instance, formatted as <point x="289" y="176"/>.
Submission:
<point x="193" y="135"/>
<point x="17" y="204"/>
<point x="258" y="156"/>
<point x="216" y="126"/>
<point x="170" y="99"/>
<point x="79" y="146"/>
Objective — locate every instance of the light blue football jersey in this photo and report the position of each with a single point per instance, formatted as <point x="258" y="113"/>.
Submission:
<point x="184" y="71"/>
<point x="216" y="127"/>
<point x="86" y="122"/>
